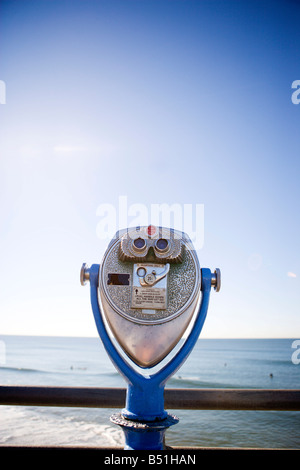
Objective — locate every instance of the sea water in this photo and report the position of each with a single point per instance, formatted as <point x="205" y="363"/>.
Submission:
<point x="213" y="363"/>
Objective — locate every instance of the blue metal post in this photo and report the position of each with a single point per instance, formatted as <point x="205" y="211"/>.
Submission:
<point x="144" y="419"/>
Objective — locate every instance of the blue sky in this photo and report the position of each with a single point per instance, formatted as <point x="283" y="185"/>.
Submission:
<point x="175" y="102"/>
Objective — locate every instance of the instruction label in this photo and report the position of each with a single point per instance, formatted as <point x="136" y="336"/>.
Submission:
<point x="149" y="297"/>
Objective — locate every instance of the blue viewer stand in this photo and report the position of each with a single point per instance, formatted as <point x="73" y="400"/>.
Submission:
<point x="144" y="420"/>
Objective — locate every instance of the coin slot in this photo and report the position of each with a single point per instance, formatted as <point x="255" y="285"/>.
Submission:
<point x="115" y="279"/>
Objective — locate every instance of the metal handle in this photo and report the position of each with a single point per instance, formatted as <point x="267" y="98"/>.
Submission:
<point x="84" y="274"/>
<point x="216" y="280"/>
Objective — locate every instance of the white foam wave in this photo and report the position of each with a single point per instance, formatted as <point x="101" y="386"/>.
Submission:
<point x="29" y="426"/>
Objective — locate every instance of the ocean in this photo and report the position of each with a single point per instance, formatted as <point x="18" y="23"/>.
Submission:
<point x="213" y="363"/>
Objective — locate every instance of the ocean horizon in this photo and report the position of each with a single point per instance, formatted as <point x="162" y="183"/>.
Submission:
<point x="258" y="363"/>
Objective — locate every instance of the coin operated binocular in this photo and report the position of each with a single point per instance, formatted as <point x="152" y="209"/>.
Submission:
<point x="147" y="292"/>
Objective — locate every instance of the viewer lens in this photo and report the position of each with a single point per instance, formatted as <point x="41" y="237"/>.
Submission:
<point x="162" y="244"/>
<point x="139" y="243"/>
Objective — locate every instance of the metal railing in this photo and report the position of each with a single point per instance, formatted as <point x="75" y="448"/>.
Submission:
<point x="175" y="398"/>
<point x="181" y="399"/>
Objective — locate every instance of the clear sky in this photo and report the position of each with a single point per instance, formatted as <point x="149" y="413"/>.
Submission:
<point x="174" y="102"/>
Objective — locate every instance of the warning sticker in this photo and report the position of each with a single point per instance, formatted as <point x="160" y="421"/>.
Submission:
<point x="149" y="297"/>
